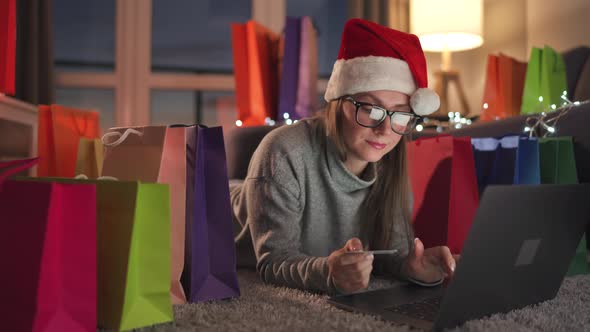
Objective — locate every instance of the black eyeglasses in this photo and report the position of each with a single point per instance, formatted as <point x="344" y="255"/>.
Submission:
<point x="371" y="116"/>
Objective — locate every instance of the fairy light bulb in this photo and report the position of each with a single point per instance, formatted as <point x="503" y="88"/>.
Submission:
<point x="239" y="123"/>
<point x="547" y="127"/>
<point x="485" y="106"/>
<point x="419" y="127"/>
<point x="286" y="116"/>
<point x="540" y="99"/>
<point x="289" y="121"/>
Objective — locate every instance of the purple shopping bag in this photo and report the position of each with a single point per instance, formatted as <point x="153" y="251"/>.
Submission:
<point x="210" y="257"/>
<point x="290" y="73"/>
<point x="307" y="81"/>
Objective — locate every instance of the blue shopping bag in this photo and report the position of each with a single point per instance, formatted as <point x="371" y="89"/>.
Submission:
<point x="506" y="160"/>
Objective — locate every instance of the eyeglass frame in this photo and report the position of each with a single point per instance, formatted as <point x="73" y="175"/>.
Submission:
<point x="388" y="113"/>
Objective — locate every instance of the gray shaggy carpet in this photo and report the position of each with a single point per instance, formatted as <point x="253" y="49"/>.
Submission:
<point x="267" y="308"/>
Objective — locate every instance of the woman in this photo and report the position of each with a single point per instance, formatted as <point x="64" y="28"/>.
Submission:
<point x="321" y="189"/>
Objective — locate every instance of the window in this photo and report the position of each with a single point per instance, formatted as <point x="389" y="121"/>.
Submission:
<point x="328" y="17"/>
<point x="84" y="35"/>
<point x="101" y="100"/>
<point x="173" y="107"/>
<point x="209" y="108"/>
<point x="195" y="36"/>
<point x="175" y="63"/>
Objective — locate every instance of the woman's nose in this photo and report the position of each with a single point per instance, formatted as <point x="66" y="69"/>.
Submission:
<point x="384" y="128"/>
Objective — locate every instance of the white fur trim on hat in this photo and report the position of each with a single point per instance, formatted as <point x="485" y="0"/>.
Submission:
<point x="424" y="101"/>
<point x="370" y="73"/>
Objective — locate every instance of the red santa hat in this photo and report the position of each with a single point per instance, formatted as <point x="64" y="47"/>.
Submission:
<point x="373" y="57"/>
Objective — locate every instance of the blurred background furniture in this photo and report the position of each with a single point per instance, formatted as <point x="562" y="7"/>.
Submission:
<point x="18" y="129"/>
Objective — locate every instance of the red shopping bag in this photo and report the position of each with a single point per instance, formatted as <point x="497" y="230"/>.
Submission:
<point x="7" y="45"/>
<point x="444" y="185"/>
<point x="47" y="253"/>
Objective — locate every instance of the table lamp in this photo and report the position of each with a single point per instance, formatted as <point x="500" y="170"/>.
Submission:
<point x="446" y="26"/>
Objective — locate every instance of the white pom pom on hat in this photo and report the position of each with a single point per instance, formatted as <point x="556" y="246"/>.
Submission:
<point x="373" y="57"/>
<point x="424" y="101"/>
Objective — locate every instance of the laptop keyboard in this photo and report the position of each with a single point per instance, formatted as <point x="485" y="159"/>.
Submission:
<point x="424" y="309"/>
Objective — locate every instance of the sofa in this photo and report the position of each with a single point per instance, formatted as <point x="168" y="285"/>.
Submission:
<point x="242" y="142"/>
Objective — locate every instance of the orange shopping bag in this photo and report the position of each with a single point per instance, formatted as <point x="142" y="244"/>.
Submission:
<point x="255" y="53"/>
<point x="503" y="87"/>
<point x="60" y="130"/>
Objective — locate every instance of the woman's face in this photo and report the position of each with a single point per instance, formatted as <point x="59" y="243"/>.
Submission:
<point x="366" y="145"/>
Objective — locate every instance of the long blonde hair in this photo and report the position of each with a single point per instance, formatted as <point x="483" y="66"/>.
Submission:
<point x="388" y="201"/>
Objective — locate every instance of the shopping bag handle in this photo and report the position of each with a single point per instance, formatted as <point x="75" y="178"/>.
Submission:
<point x="177" y="125"/>
<point x="9" y="168"/>
<point x="120" y="137"/>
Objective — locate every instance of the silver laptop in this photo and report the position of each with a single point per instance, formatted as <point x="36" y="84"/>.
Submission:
<point x="517" y="253"/>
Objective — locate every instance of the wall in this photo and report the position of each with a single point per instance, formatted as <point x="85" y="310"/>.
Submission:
<point x="513" y="27"/>
<point x="561" y="24"/>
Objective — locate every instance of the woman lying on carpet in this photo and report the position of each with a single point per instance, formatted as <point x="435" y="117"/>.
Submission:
<point x="337" y="183"/>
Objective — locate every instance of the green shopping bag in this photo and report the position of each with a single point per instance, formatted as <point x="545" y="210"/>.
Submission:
<point x="545" y="81"/>
<point x="133" y="253"/>
<point x="558" y="166"/>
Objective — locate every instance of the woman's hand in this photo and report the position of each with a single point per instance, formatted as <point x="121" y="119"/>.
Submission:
<point x="430" y="265"/>
<point x="350" y="272"/>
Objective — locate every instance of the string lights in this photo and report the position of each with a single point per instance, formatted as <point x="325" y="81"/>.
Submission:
<point x="545" y="123"/>
<point x="270" y="122"/>
<point x="456" y="121"/>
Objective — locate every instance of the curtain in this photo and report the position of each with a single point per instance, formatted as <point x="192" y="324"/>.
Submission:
<point x="34" y="51"/>
<point x="391" y="13"/>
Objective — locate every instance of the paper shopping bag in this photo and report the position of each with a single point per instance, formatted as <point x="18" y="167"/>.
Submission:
<point x="508" y="160"/>
<point x="545" y="81"/>
<point x="210" y="259"/>
<point x="503" y="87"/>
<point x="7" y="46"/>
<point x="90" y="157"/>
<point x="307" y="83"/>
<point x="290" y="69"/>
<point x="444" y="185"/>
<point x="558" y="166"/>
<point x="48" y="254"/>
<point x="60" y="130"/>
<point x="255" y="53"/>
<point x="133" y="252"/>
<point x="155" y="154"/>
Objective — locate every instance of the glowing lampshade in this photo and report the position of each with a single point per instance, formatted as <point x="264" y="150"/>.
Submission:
<point x="447" y="25"/>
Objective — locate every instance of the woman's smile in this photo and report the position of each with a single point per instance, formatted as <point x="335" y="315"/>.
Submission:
<point x="376" y="145"/>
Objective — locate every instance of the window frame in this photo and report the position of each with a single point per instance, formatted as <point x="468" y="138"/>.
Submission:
<point x="133" y="78"/>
